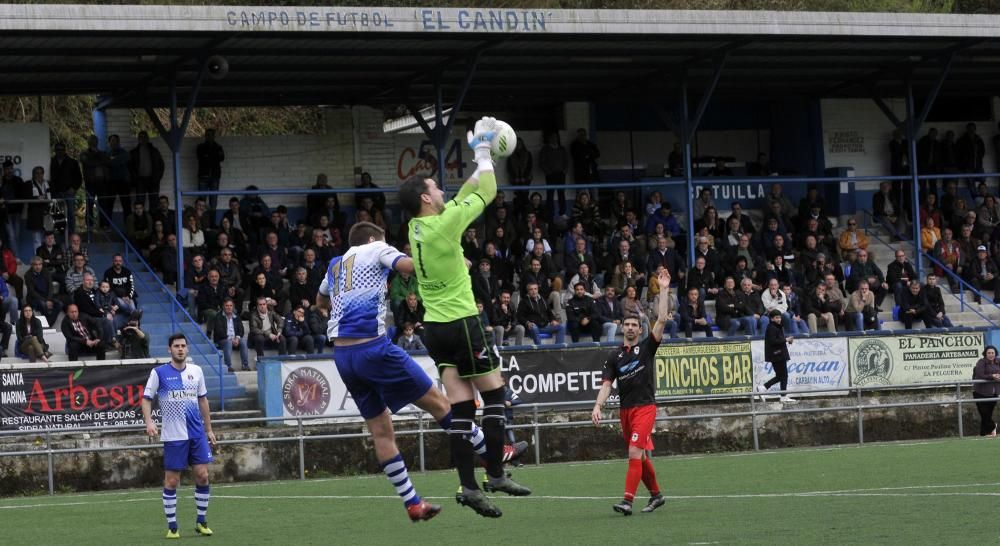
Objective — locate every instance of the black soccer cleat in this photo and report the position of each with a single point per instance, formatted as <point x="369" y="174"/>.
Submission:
<point x="624" y="508"/>
<point x="478" y="501"/>
<point x="506" y="485"/>
<point x="654" y="503"/>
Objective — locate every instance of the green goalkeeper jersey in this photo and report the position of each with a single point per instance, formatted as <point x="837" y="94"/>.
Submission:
<point x="435" y="242"/>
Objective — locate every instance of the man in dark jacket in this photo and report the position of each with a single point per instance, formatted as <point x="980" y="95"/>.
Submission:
<point x="82" y="335"/>
<point x="485" y="285"/>
<point x="693" y="315"/>
<point x="210" y="157"/>
<point x="936" y="303"/>
<point x="913" y="306"/>
<point x="84" y="299"/>
<point x="211" y="297"/>
<point x="504" y="321"/>
<point x="729" y="308"/>
<point x="146" y="165"/>
<point x="983" y="274"/>
<point x="898" y="276"/>
<point x="64" y="180"/>
<point x="581" y="314"/>
<point x="534" y="314"/>
<point x="609" y="314"/>
<point x="866" y="270"/>
<point x="776" y="352"/>
<point x="228" y="334"/>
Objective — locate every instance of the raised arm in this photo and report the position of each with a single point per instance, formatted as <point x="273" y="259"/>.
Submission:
<point x="662" y="305"/>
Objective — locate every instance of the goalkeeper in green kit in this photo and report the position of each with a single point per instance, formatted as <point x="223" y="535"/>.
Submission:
<point x="453" y="334"/>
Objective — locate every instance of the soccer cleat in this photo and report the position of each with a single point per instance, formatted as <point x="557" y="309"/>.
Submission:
<point x="173" y="533"/>
<point x="513" y="452"/>
<point x="478" y="501"/>
<point x="624" y="508"/>
<point x="422" y="511"/>
<point x="654" y="503"/>
<point x="202" y="529"/>
<point x="506" y="485"/>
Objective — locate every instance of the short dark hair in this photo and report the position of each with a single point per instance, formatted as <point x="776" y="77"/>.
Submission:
<point x="362" y="231"/>
<point x="581" y="285"/>
<point x="175" y="337"/>
<point x="410" y="192"/>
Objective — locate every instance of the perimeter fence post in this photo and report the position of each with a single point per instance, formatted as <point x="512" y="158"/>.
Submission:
<point x="861" y="420"/>
<point x="302" y="452"/>
<point x="538" y="435"/>
<point x="420" y="435"/>
<point x="958" y="404"/>
<point x="48" y="447"/>
<point x="753" y="422"/>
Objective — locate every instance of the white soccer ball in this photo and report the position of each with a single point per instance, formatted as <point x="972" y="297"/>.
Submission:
<point x="504" y="142"/>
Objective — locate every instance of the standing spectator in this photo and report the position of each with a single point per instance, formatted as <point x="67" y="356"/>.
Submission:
<point x="378" y="198"/>
<point x="97" y="176"/>
<point x="210" y="157"/>
<point x="64" y="180"/>
<point x="585" y="154"/>
<point x="296" y="332"/>
<point x="936" y="303"/>
<point x="30" y="336"/>
<point x="693" y="315"/>
<point x="82" y="335"/>
<point x="581" y="314"/>
<point x="988" y="370"/>
<point x="227" y="333"/>
<point x="969" y="151"/>
<point x="899" y="165"/>
<point x="121" y="179"/>
<point x="505" y="321"/>
<point x="862" y="312"/>
<point x="11" y="187"/>
<point x="554" y="160"/>
<point x="8" y="271"/>
<point x="316" y="203"/>
<point x="409" y="341"/>
<point x="38" y="189"/>
<point x="38" y="284"/>
<point x="265" y="329"/>
<point x="535" y="315"/>
<point x="928" y="160"/>
<point x="776" y="352"/>
<point x="519" y="167"/>
<point x="146" y="165"/>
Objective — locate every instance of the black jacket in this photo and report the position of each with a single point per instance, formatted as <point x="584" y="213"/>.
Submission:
<point x="537" y="312"/>
<point x="934" y="300"/>
<point x="218" y="327"/>
<point x="89" y="323"/>
<point x="775" y="346"/>
<point x="609" y="310"/>
<point x="36" y="330"/>
<point x="87" y="303"/>
<point x="578" y="308"/>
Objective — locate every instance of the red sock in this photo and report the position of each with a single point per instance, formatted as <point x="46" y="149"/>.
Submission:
<point x="632" y="478"/>
<point x="649" y="477"/>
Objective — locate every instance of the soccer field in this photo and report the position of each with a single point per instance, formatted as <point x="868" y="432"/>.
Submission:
<point x="918" y="493"/>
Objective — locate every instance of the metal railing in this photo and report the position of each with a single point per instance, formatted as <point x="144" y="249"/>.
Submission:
<point x="963" y="285"/>
<point x="175" y="305"/>
<point x="536" y="425"/>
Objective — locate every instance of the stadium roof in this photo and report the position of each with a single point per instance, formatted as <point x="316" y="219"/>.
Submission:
<point x="379" y="56"/>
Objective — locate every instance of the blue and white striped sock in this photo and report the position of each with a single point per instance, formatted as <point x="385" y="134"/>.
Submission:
<point x="170" y="507"/>
<point x="395" y="470"/>
<point x="478" y="440"/>
<point x="201" y="496"/>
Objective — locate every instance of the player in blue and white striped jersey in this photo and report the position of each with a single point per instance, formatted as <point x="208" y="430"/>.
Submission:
<point x="187" y="430"/>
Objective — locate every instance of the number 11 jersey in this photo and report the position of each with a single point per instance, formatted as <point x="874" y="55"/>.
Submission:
<point x="356" y="286"/>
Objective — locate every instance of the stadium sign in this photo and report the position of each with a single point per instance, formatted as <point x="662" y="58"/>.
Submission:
<point x="704" y="368"/>
<point x="572" y="375"/>
<point x="60" y="398"/>
<point x="816" y="363"/>
<point x="899" y="360"/>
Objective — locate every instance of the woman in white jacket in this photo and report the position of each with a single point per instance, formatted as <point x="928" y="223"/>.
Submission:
<point x="774" y="299"/>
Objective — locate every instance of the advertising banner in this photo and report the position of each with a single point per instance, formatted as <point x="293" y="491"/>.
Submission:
<point x="704" y="368"/>
<point x="898" y="360"/>
<point x="817" y="363"/>
<point x="573" y="375"/>
<point x="60" y="398"/>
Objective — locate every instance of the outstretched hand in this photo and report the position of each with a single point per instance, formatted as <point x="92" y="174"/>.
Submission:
<point x="663" y="279"/>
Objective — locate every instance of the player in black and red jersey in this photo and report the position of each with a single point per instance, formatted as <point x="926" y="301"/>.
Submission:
<point x="633" y="367"/>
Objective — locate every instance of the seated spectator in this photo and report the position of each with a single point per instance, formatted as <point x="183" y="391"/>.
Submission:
<point x="585" y="211"/>
<point x="410" y="341"/>
<point x="231" y="275"/>
<point x="504" y="242"/>
<point x="192" y="236"/>
<point x="589" y="282"/>
<point x="743" y="250"/>
<point x="929" y="209"/>
<point x="987" y="217"/>
<point x="862" y="312"/>
<point x="884" y="208"/>
<point x="665" y="217"/>
<point x="557" y="300"/>
<point x="262" y="289"/>
<point x="623" y="252"/>
<point x="625" y="276"/>
<point x="412" y="311"/>
<point x="579" y="255"/>
<point x="534" y="314"/>
<point x="277" y="253"/>
<point x="660" y="231"/>
<point x="504" y="321"/>
<point x="168" y="260"/>
<point x="581" y="314"/>
<point x="779" y="269"/>
<point x="913" y="306"/>
<point x="730" y="239"/>
<point x="164" y="214"/>
<point x="633" y="307"/>
<point x="852" y="239"/>
<point x="693" y="315"/>
<point x="948" y="201"/>
<point x="134" y="342"/>
<point x="501" y="266"/>
<point x="83" y="335"/>
<point x="930" y="234"/>
<point x="668" y="258"/>
<point x="935" y="303"/>
<point x="266" y="329"/>
<point x="811" y="200"/>
<point x="899" y="274"/>
<point x="318" y="319"/>
<point x="112" y="306"/>
<point x="785" y="225"/>
<point x="485" y="285"/>
<point x="866" y="270"/>
<point x="122" y="281"/>
<point x="949" y="253"/>
<point x="38" y="285"/>
<point x="534" y="274"/>
<point x="8" y="272"/>
<point x="195" y="275"/>
<point x="795" y="308"/>
<point x="227" y="332"/>
<point x="702" y="204"/>
<point x="139" y="225"/>
<point x="703" y="279"/>
<point x="836" y="298"/>
<point x="720" y="169"/>
<point x="296" y="332"/>
<point x="609" y="314"/>
<point x="764" y="240"/>
<point x="746" y="224"/>
<point x="619" y="204"/>
<point x="402" y="283"/>
<point x="470" y="244"/>
<point x="275" y="277"/>
<point x="30" y="336"/>
<point x="314" y="269"/>
<point x="300" y="293"/>
<point x="774" y="299"/>
<point x="237" y="239"/>
<point x="8" y="303"/>
<point x="211" y="296"/>
<point x="537" y="239"/>
<point x="53" y="257"/>
<point x="653" y="203"/>
<point x="983" y="274"/>
<point x="548" y="265"/>
<point x="754" y="307"/>
<point x="818" y="307"/>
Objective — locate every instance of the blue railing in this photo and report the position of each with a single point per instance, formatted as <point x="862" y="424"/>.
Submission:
<point x="174" y="304"/>
<point x="962" y="283"/>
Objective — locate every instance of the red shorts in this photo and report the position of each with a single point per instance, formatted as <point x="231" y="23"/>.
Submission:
<point x="637" y="425"/>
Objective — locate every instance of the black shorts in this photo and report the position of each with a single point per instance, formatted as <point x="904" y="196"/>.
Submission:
<point x="460" y="344"/>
